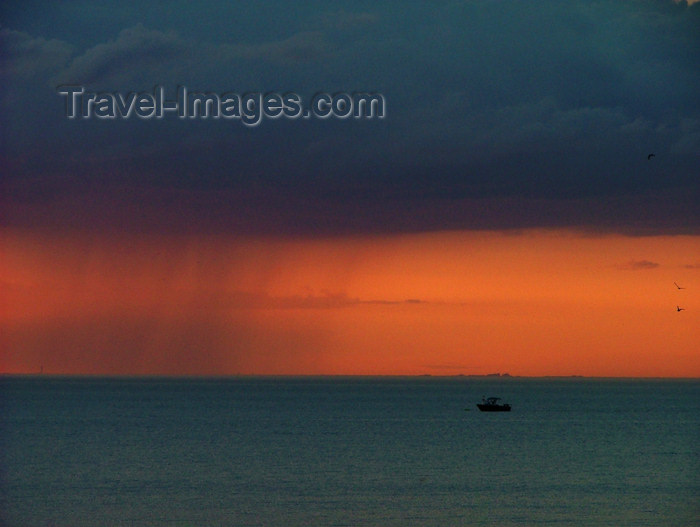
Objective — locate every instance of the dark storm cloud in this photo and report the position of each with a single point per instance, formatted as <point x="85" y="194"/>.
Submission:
<point x="145" y="57"/>
<point x="135" y="52"/>
<point x="23" y="56"/>
<point x="499" y="115"/>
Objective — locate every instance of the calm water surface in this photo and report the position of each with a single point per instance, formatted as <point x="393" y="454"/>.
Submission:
<point x="348" y="452"/>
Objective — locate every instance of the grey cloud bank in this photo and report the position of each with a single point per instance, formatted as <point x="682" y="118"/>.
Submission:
<point x="507" y="114"/>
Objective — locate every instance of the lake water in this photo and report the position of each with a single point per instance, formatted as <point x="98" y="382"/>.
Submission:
<point x="348" y="452"/>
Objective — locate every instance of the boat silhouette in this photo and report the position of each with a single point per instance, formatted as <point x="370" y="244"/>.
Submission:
<point x="492" y="404"/>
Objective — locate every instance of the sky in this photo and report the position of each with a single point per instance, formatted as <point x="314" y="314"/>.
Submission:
<point x="502" y="215"/>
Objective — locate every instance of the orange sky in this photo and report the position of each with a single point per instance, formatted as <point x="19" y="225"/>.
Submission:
<point x="527" y="303"/>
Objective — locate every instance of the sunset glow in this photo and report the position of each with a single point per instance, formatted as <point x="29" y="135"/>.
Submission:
<point x="543" y="302"/>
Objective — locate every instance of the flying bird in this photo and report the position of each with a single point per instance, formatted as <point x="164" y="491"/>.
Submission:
<point x="677" y="286"/>
<point x="679" y="309"/>
<point x="650" y="156"/>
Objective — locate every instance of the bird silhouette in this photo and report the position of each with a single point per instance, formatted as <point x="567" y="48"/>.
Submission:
<point x="650" y="156"/>
<point x="678" y="308"/>
<point x="677" y="286"/>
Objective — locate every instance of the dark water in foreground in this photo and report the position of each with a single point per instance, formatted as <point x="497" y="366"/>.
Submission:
<point x="351" y="452"/>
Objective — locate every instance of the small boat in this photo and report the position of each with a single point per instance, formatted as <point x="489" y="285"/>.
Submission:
<point x="492" y="404"/>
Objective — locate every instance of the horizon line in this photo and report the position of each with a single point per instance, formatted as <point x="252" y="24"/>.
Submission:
<point x="333" y="375"/>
